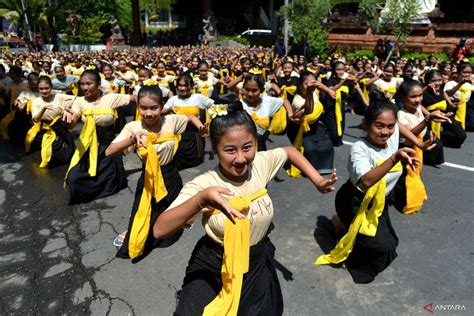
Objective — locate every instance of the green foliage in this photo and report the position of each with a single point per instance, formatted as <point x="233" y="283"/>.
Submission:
<point x="401" y="13"/>
<point x="418" y="55"/>
<point x="236" y="38"/>
<point x="89" y="32"/>
<point x="471" y="60"/>
<point x="306" y="18"/>
<point x="360" y="53"/>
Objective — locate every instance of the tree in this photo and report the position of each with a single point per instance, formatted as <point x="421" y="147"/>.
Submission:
<point x="306" y="18"/>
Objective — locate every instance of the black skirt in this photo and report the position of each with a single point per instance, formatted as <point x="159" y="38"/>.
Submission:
<point x="190" y="151"/>
<point x="19" y="126"/>
<point x="261" y="292"/>
<point x="317" y="144"/>
<point x="110" y="177"/>
<point x="452" y="134"/>
<point x="370" y="255"/>
<point x="63" y="145"/>
<point x="173" y="185"/>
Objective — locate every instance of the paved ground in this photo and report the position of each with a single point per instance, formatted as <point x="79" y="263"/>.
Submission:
<point x="56" y="259"/>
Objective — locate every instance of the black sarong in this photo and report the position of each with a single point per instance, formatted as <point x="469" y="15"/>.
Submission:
<point x="261" y="292"/>
<point x="63" y="145"/>
<point x="110" y="177"/>
<point x="190" y="151"/>
<point x="173" y="185"/>
<point x="370" y="255"/>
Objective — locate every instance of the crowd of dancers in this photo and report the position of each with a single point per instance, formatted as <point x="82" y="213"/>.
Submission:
<point x="163" y="103"/>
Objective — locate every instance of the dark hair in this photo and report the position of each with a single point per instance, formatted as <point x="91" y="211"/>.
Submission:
<point x="236" y="116"/>
<point x="147" y="91"/>
<point x="303" y="76"/>
<point x="93" y="73"/>
<point x="203" y="63"/>
<point x="405" y="88"/>
<point x="464" y="65"/>
<point x="378" y="107"/>
<point x="16" y="71"/>
<point x="389" y="64"/>
<point x="334" y="66"/>
<point x="186" y="78"/>
<point x="59" y="66"/>
<point x="33" y="73"/>
<point x="255" y="78"/>
<point x="105" y="65"/>
<point x="148" y="71"/>
<point x="430" y="75"/>
<point x="45" y="79"/>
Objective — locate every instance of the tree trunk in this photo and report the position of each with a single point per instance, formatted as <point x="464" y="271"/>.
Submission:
<point x="136" y="39"/>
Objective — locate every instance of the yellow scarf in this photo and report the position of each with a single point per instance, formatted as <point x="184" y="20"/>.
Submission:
<point x="236" y="258"/>
<point x="436" y="126"/>
<point x="188" y="110"/>
<point x="261" y="121"/>
<point x="365" y="221"/>
<point x="461" y="109"/>
<point x="288" y="90"/>
<point x="88" y="140"/>
<point x="339" y="109"/>
<point x="278" y="123"/>
<point x="154" y="188"/>
<point x="49" y="137"/>
<point x="304" y="128"/>
<point x="364" y="88"/>
<point x="416" y="192"/>
<point x="204" y="89"/>
<point x="391" y="90"/>
<point x="5" y="122"/>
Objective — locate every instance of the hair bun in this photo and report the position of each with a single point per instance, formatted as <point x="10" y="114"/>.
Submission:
<point x="235" y="107"/>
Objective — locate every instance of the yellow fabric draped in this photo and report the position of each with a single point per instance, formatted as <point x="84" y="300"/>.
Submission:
<point x="461" y="108"/>
<point x="365" y="221"/>
<point x="436" y="126"/>
<point x="278" y="123"/>
<point x="339" y="109"/>
<point x="416" y="192"/>
<point x="47" y="141"/>
<point x="4" y="124"/>
<point x="188" y="110"/>
<point x="88" y="140"/>
<point x="304" y="128"/>
<point x="236" y="259"/>
<point x="287" y="90"/>
<point x="391" y="90"/>
<point x="261" y="121"/>
<point x="364" y="88"/>
<point x="204" y="89"/>
<point x="29" y="106"/>
<point x="154" y="187"/>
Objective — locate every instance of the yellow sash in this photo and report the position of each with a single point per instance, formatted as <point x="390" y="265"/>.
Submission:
<point x="49" y="137"/>
<point x="436" y="126"/>
<point x="364" y="88"/>
<point x="288" y="90"/>
<point x="391" y="90"/>
<point x="278" y="123"/>
<point x="204" y="89"/>
<point x="304" y="128"/>
<point x="188" y="110"/>
<point x="236" y="258"/>
<point x="339" y="109"/>
<point x="154" y="187"/>
<point x="88" y="140"/>
<point x="365" y="221"/>
<point x="4" y="124"/>
<point x="461" y="109"/>
<point x="416" y="192"/>
<point x="261" y="121"/>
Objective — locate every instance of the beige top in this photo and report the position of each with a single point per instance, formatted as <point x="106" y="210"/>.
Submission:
<point x="129" y="75"/>
<point x="170" y="124"/>
<point x="108" y="101"/>
<point x="299" y="101"/>
<point x="411" y="120"/>
<point x="25" y="96"/>
<point x="264" y="167"/>
<point x="381" y="84"/>
<point x="210" y="83"/>
<point x="57" y="104"/>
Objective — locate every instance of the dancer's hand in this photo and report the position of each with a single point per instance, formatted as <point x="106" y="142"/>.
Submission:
<point x="407" y="155"/>
<point x="325" y="185"/>
<point x="428" y="144"/>
<point x="214" y="198"/>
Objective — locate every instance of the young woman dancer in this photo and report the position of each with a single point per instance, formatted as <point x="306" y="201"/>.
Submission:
<point x="236" y="240"/>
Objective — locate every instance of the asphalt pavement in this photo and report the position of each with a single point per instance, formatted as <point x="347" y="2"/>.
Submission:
<point x="59" y="259"/>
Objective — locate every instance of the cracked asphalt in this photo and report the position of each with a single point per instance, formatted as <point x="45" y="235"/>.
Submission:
<point x="58" y="259"/>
